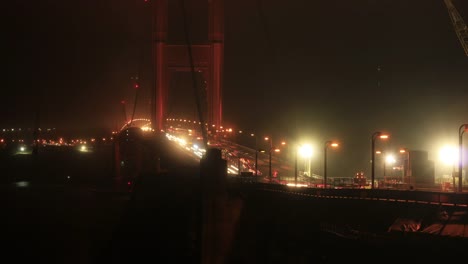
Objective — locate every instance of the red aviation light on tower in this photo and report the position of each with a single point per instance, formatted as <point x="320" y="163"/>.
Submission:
<point x="136" y="86"/>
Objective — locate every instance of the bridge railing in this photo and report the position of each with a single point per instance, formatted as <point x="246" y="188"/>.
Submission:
<point x="408" y="196"/>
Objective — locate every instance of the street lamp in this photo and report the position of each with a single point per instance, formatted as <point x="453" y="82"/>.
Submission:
<point x="306" y="152"/>
<point x="295" y="167"/>
<point x="461" y="130"/>
<point x="406" y="166"/>
<point x="256" y="154"/>
<point x="327" y="144"/>
<point x="448" y="155"/>
<point x="390" y="159"/>
<point x="379" y="152"/>
<point x="375" y="135"/>
<point x="256" y="160"/>
<point x="269" y="161"/>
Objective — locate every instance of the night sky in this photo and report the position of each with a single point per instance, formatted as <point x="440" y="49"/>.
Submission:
<point x="298" y="69"/>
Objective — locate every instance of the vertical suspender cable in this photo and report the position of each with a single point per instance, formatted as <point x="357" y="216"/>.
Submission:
<point x="194" y="79"/>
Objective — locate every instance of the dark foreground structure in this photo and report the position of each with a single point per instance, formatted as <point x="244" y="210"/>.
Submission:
<point x="64" y="207"/>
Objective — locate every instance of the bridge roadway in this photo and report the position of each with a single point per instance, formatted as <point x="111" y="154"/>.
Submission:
<point x="431" y="197"/>
<point x="81" y="219"/>
<point x="244" y="157"/>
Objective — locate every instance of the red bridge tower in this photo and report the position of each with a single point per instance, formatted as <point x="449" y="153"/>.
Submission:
<point x="207" y="59"/>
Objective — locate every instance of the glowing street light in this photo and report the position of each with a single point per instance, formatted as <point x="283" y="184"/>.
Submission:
<point x="389" y="159"/>
<point x="327" y="144"/>
<point x="305" y="151"/>
<point x="461" y="130"/>
<point x="375" y="135"/>
<point x="448" y="156"/>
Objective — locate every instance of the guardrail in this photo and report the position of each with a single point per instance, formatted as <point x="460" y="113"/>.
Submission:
<point x="404" y="196"/>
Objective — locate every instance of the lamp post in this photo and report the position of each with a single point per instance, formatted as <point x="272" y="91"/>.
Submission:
<point x="379" y="152"/>
<point x="269" y="156"/>
<point x="306" y="152"/>
<point x="283" y="144"/>
<point x="327" y="144"/>
<point x="406" y="166"/>
<point x="390" y="159"/>
<point x="256" y="154"/>
<point x="295" y="167"/>
<point x="448" y="155"/>
<point x="256" y="161"/>
<point x="461" y="130"/>
<point x="375" y="135"/>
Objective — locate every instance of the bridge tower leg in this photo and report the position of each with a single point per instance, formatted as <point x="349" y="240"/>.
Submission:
<point x="208" y="59"/>
<point x="216" y="31"/>
<point x="158" y="115"/>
